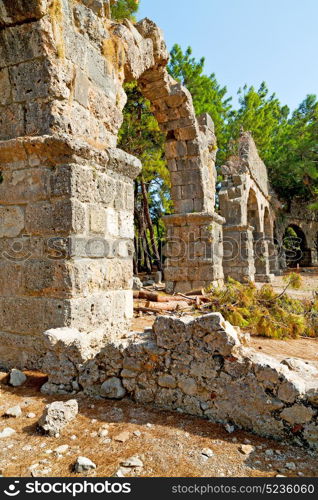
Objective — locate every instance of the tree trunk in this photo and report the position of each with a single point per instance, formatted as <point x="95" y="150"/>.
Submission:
<point x="150" y="226"/>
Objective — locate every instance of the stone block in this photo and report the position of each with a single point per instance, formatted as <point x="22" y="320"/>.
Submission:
<point x="97" y="219"/>
<point x="12" y="221"/>
<point x="11" y="121"/>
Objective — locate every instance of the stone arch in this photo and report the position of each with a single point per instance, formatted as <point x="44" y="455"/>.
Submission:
<point x="190" y="152"/>
<point x="253" y="213"/>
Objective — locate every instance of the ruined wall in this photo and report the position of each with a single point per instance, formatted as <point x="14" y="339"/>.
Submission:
<point x="245" y="203"/>
<point x="66" y="191"/>
<point x="306" y="220"/>
<point x="200" y="366"/>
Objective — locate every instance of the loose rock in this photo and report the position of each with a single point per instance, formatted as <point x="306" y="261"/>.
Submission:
<point x="57" y="415"/>
<point x="17" y="378"/>
<point x="83" y="464"/>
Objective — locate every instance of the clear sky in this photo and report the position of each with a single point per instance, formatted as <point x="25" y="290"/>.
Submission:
<point x="247" y="41"/>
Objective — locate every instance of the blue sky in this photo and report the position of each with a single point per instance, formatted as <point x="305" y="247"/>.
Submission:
<point x="247" y="41"/>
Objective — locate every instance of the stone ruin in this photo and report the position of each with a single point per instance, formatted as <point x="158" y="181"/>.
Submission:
<point x="66" y="227"/>
<point x="245" y="203"/>
<point x="304" y="222"/>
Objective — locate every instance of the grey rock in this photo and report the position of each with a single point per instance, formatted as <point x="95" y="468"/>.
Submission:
<point x="57" y="415"/>
<point x="17" y="378"/>
<point x="113" y="388"/>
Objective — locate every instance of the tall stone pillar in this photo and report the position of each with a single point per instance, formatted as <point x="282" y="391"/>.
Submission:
<point x="261" y="256"/>
<point x="193" y="251"/>
<point x="66" y="192"/>
<point x="238" y="259"/>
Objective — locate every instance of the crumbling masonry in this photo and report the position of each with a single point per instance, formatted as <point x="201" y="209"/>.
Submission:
<point x="66" y="226"/>
<point x="245" y="202"/>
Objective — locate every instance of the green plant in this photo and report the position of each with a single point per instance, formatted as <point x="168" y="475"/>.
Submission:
<point x="265" y="312"/>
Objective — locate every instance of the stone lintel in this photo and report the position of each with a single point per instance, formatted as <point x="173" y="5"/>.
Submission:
<point x="196" y="218"/>
<point x="56" y="149"/>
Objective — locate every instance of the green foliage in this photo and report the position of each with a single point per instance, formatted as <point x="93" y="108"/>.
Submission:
<point x="124" y="9"/>
<point x="293" y="160"/>
<point x="264" y="312"/>
<point x="140" y="136"/>
<point x="208" y="96"/>
<point x="261" y="114"/>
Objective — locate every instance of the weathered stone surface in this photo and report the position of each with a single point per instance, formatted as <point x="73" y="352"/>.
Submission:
<point x="83" y="464"/>
<point x="297" y="414"/>
<point x="14" y="412"/>
<point x="17" y="378"/>
<point x="113" y="388"/>
<point x="57" y="415"/>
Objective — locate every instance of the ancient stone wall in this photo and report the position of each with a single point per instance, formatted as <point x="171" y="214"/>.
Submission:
<point x="245" y="203"/>
<point x="300" y="217"/>
<point x="66" y="191"/>
<point x="200" y="366"/>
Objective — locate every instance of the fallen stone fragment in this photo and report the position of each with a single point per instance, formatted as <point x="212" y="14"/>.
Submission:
<point x="290" y="466"/>
<point x="122" y="437"/>
<point x="122" y="472"/>
<point x="229" y="428"/>
<point x="61" y="449"/>
<point x="246" y="449"/>
<point x="113" y="388"/>
<point x="83" y="464"/>
<point x="132" y="462"/>
<point x="17" y="378"/>
<point x="57" y="415"/>
<point x="207" y="452"/>
<point x="14" y="412"/>
<point x="7" y="432"/>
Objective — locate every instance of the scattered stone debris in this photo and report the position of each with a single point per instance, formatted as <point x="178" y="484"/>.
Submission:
<point x="13" y="412"/>
<point x="57" y="415"/>
<point x="246" y="449"/>
<point x="7" y="432"/>
<point x="132" y="462"/>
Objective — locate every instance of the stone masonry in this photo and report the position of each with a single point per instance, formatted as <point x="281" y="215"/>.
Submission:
<point x="66" y="228"/>
<point x="305" y="222"/>
<point x="66" y="192"/>
<point x="200" y="366"/>
<point x="245" y="203"/>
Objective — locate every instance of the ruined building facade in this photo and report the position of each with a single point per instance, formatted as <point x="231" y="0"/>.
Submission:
<point x="66" y="192"/>
<point x="66" y="228"/>
<point x="245" y="203"/>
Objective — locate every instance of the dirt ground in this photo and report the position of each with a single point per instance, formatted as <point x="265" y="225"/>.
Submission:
<point x="309" y="284"/>
<point x="169" y="444"/>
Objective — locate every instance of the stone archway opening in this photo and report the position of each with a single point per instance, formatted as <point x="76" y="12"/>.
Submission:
<point x="253" y="216"/>
<point x="296" y="248"/>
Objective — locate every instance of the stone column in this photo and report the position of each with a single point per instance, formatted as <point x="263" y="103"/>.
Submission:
<point x="262" y="265"/>
<point x="66" y="192"/>
<point x="238" y="259"/>
<point x="193" y="251"/>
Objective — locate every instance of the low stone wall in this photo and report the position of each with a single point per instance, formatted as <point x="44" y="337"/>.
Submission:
<point x="199" y="366"/>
